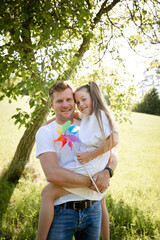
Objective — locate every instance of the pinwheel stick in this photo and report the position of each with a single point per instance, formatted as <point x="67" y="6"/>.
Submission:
<point x="88" y="173"/>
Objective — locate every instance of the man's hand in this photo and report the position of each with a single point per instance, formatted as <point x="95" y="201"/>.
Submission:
<point x="102" y="180"/>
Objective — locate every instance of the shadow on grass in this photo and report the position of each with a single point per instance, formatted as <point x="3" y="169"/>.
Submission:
<point x="6" y="191"/>
<point x="18" y="216"/>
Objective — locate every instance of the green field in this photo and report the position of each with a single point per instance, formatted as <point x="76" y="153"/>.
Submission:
<point x="133" y="199"/>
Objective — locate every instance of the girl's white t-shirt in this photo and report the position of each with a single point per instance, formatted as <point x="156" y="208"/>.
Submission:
<point x="91" y="136"/>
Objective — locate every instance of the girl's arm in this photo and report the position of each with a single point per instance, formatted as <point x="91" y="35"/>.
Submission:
<point x="106" y="146"/>
<point x="49" y="121"/>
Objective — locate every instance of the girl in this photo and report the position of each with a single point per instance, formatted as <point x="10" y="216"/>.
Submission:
<point x="101" y="136"/>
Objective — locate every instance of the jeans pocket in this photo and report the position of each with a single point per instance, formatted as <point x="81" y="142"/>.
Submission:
<point x="96" y="207"/>
<point x="57" y="210"/>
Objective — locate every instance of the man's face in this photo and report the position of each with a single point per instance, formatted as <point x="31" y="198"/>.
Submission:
<point x="63" y="105"/>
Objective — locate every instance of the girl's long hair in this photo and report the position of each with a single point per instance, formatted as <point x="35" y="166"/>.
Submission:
<point x="98" y="104"/>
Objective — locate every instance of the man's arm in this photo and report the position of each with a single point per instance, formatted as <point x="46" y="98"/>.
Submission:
<point x="113" y="160"/>
<point x="61" y="176"/>
<point x="102" y="178"/>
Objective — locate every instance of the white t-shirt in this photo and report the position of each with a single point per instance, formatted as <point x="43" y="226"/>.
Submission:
<point x="45" y="137"/>
<point x="91" y="135"/>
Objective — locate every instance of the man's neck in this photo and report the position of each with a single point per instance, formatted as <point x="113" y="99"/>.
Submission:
<point x="61" y="122"/>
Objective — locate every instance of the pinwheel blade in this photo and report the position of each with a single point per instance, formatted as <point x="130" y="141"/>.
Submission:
<point x="69" y="141"/>
<point x="59" y="129"/>
<point x="72" y="137"/>
<point x="59" y="138"/>
<point x="70" y="144"/>
<point x="64" y="141"/>
<point x="66" y="125"/>
<point x="72" y="129"/>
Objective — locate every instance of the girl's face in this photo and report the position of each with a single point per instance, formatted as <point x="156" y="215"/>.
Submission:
<point x="84" y="101"/>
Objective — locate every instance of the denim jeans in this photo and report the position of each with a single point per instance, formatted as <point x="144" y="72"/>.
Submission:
<point x="83" y="224"/>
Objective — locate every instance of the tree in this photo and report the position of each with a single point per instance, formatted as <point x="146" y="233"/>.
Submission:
<point x="43" y="41"/>
<point x="150" y="103"/>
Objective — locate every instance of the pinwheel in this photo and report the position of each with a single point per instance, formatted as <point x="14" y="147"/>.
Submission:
<point x="68" y="134"/>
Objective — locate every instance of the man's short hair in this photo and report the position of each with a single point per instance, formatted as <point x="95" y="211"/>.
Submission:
<point x="59" y="86"/>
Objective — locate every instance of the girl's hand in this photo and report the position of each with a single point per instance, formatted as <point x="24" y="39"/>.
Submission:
<point x="84" y="157"/>
<point x="77" y="115"/>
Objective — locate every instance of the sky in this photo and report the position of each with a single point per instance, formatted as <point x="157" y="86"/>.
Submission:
<point x="137" y="64"/>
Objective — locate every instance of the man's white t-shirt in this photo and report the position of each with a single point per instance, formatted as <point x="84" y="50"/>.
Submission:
<point x="45" y="137"/>
<point x="91" y="135"/>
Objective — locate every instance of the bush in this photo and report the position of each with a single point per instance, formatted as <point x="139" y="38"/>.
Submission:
<point x="150" y="103"/>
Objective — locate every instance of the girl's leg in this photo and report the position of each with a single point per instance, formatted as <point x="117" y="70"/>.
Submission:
<point x="48" y="195"/>
<point x="105" y="221"/>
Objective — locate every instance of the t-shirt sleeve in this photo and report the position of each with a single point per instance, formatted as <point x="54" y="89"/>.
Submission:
<point x="106" y="125"/>
<point x="44" y="141"/>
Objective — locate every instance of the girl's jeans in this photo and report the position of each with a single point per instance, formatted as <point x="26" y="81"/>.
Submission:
<point x="83" y="224"/>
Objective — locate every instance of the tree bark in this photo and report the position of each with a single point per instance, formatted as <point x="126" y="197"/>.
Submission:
<point x="24" y="149"/>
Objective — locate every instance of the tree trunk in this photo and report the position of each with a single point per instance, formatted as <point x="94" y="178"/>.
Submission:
<point x="24" y="149"/>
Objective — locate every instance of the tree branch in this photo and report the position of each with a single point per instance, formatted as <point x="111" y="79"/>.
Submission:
<point x="87" y="38"/>
<point x="104" y="10"/>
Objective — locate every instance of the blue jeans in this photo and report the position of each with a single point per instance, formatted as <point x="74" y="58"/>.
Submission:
<point x="83" y="224"/>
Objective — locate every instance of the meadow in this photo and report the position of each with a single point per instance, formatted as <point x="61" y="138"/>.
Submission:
<point x="133" y="198"/>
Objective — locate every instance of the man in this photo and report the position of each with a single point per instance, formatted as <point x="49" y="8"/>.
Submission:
<point x="72" y="215"/>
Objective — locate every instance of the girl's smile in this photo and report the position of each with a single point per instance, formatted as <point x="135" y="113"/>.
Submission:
<point x="84" y="101"/>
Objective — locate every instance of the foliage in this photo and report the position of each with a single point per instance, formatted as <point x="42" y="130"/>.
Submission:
<point x="43" y="41"/>
<point x="150" y="103"/>
<point x="154" y="64"/>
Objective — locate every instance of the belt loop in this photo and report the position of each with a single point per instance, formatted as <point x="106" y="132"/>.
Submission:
<point x="86" y="205"/>
<point x="65" y="205"/>
<point x="74" y="205"/>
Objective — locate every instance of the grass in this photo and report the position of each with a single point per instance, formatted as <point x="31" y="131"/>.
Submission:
<point x="132" y="200"/>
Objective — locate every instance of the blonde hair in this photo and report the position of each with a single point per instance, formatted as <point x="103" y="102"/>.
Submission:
<point x="98" y="104"/>
<point x="59" y="86"/>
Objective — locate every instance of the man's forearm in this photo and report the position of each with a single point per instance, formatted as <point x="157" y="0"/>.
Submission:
<point x="102" y="178"/>
<point x="113" y="161"/>
<point x="61" y="176"/>
<point x="66" y="178"/>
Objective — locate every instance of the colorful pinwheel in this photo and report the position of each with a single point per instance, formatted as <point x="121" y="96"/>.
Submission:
<point x="67" y="134"/>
